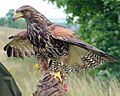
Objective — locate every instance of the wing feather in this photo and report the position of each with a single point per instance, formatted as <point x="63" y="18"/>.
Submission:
<point x="80" y="52"/>
<point x="19" y="46"/>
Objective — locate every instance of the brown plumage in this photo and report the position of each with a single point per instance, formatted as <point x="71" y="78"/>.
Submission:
<point x="57" y="43"/>
<point x="19" y="46"/>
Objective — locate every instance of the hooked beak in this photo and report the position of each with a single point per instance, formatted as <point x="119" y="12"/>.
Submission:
<point x="17" y="15"/>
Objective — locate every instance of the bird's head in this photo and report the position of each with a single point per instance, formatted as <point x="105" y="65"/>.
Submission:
<point x="26" y="12"/>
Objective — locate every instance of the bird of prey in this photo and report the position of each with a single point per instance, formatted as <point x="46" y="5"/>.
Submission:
<point x="50" y="42"/>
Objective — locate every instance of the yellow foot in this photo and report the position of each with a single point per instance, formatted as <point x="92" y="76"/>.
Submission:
<point x="57" y="75"/>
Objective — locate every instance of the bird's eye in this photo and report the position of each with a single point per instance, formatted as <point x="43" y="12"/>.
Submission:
<point x="23" y="11"/>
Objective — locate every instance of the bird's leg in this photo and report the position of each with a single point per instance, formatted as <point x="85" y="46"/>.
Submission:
<point x="54" y="66"/>
<point x="43" y="64"/>
<point x="57" y="71"/>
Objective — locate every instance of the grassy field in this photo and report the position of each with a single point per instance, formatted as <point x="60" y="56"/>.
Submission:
<point x="27" y="77"/>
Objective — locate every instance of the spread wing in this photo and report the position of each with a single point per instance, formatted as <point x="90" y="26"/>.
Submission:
<point x="80" y="52"/>
<point x="19" y="46"/>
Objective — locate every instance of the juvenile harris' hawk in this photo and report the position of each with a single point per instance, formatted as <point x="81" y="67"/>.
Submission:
<point x="52" y="42"/>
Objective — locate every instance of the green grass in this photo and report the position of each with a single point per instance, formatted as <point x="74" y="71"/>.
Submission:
<point x="89" y="86"/>
<point x="27" y="77"/>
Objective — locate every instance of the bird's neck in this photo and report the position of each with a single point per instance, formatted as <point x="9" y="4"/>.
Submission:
<point x="42" y="18"/>
<point x="38" y="25"/>
<point x="39" y="18"/>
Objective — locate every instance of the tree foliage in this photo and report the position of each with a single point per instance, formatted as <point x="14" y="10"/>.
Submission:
<point x="99" y="25"/>
<point x="7" y="21"/>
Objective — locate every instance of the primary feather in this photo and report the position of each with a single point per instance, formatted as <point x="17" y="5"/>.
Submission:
<point x="19" y="46"/>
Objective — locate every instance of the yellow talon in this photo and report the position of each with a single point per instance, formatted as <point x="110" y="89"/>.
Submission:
<point x="57" y="75"/>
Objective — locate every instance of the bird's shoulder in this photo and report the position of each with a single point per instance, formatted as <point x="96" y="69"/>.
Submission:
<point x="60" y="32"/>
<point x="22" y="34"/>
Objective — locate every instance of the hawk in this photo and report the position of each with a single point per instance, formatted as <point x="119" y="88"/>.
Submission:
<point x="52" y="43"/>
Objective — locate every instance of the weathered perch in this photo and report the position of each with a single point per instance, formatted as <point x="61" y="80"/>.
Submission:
<point x="49" y="86"/>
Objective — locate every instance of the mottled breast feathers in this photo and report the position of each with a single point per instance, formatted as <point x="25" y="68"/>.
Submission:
<point x="44" y="43"/>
